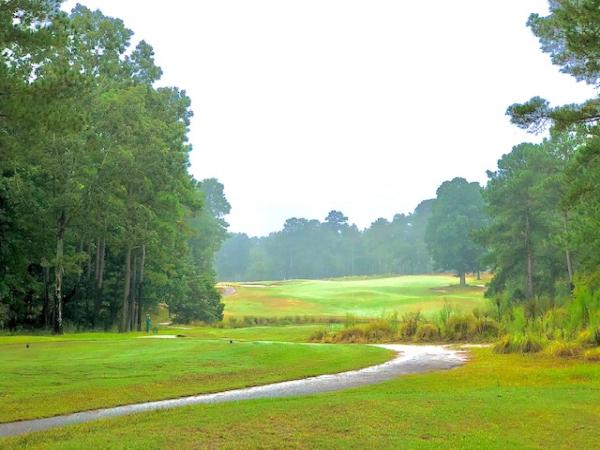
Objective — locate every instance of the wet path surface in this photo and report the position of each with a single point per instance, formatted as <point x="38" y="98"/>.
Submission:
<point x="409" y="359"/>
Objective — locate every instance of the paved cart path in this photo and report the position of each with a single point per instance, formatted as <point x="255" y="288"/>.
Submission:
<point x="409" y="359"/>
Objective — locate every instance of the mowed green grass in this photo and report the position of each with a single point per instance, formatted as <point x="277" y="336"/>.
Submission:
<point x="369" y="297"/>
<point x="58" y="375"/>
<point x="493" y="402"/>
<point x="287" y="333"/>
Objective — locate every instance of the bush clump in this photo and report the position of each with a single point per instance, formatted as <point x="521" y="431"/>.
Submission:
<point x="409" y="324"/>
<point x="592" y="355"/>
<point x="486" y="327"/>
<point x="379" y="330"/>
<point x="352" y="335"/>
<point x="319" y="335"/>
<point x="460" y="328"/>
<point x="519" y="344"/>
<point x="563" y="349"/>
<point x="427" y="332"/>
<point x="589" y="338"/>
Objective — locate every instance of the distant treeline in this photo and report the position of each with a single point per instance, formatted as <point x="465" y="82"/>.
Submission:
<point x="408" y="244"/>
<point x="332" y="248"/>
<point x="99" y="217"/>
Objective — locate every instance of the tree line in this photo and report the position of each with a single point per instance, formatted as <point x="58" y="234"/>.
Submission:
<point x="437" y="235"/>
<point x="99" y="218"/>
<point x="332" y="248"/>
<point x="535" y="224"/>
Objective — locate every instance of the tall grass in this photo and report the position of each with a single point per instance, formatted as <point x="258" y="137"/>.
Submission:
<point x="447" y="326"/>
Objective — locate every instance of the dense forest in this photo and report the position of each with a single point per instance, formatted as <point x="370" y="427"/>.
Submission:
<point x="99" y="218"/>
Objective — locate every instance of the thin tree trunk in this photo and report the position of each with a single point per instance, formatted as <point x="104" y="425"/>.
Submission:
<point x="46" y="309"/>
<point x="81" y="271"/>
<point x="58" y="273"/>
<point x="100" y="281"/>
<point x="133" y="302"/>
<point x="529" y="258"/>
<point x="568" y="253"/>
<point x="126" y="288"/>
<point x="141" y="288"/>
<point x="462" y="278"/>
<point x="569" y="266"/>
<point x="99" y="277"/>
<point x="89" y="263"/>
<point x="97" y="271"/>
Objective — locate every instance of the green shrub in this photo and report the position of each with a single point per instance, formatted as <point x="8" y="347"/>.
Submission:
<point x="379" y="330"/>
<point x="589" y="338"/>
<point x="460" y="328"/>
<point x="351" y="335"/>
<point x="531" y="344"/>
<point x="318" y="335"/>
<point x="556" y="318"/>
<point x="592" y="355"/>
<point x="503" y="345"/>
<point x="518" y="344"/>
<point x="563" y="349"/>
<point x="486" y="327"/>
<point x="409" y="324"/>
<point x="427" y="332"/>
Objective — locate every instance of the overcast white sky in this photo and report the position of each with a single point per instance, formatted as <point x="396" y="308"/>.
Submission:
<point x="363" y="106"/>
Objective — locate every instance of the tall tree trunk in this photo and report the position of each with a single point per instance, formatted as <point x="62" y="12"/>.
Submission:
<point x="97" y="271"/>
<point x="568" y="252"/>
<point x="58" y="273"/>
<point x="463" y="282"/>
<point x="530" y="291"/>
<point x="89" y="263"/>
<point x="133" y="303"/>
<point x="569" y="266"/>
<point x="46" y="308"/>
<point x="102" y="252"/>
<point x="126" y="289"/>
<point x="81" y="271"/>
<point x="141" y="288"/>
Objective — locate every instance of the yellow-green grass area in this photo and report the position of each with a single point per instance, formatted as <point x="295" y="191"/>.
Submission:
<point x="61" y="375"/>
<point x="370" y="297"/>
<point x="493" y="402"/>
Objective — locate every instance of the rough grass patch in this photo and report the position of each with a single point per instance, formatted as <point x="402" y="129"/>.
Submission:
<point x="486" y="327"/>
<point x="519" y="344"/>
<point x="460" y="328"/>
<point x="563" y="349"/>
<point x="592" y="355"/>
<point x="427" y="332"/>
<point x="379" y="330"/>
<point x="589" y="338"/>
